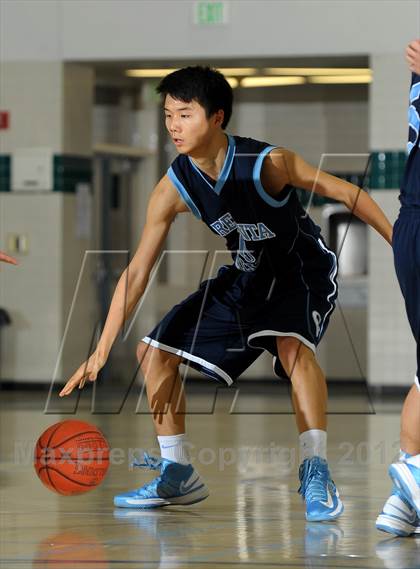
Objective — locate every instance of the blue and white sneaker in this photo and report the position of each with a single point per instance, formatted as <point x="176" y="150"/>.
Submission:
<point x="319" y="491"/>
<point x="398" y="517"/>
<point x="178" y="484"/>
<point x="406" y="476"/>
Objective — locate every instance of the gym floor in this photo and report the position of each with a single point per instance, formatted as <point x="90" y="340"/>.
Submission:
<point x="245" y="449"/>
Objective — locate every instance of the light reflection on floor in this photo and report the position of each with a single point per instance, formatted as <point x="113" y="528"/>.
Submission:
<point x="253" y="517"/>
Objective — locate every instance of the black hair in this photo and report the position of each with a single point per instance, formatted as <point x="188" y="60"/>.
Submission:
<point x="205" y="85"/>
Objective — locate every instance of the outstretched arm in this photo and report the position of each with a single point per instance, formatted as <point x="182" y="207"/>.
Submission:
<point x="161" y="212"/>
<point x="285" y="167"/>
<point x="6" y="259"/>
<point x="164" y="204"/>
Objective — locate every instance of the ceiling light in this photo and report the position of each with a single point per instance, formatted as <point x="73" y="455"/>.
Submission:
<point x="336" y="79"/>
<point x="238" y="71"/>
<point x="148" y="73"/>
<point x="317" y="71"/>
<point x="271" y="81"/>
<point x="233" y="82"/>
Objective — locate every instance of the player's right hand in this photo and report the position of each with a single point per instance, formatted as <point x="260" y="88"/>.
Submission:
<point x="7" y="259"/>
<point x="88" y="371"/>
<point x="412" y="54"/>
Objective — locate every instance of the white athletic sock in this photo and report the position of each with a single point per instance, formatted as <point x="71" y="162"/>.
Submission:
<point x="174" y="447"/>
<point x="414" y="460"/>
<point x="313" y="443"/>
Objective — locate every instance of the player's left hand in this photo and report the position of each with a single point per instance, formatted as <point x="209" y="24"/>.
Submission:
<point x="7" y="259"/>
<point x="412" y="54"/>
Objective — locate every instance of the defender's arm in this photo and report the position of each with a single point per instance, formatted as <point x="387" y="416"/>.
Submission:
<point x="164" y="204"/>
<point x="286" y="167"/>
<point x="7" y="259"/>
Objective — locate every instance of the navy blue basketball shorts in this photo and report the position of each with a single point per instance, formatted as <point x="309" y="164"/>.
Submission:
<point x="223" y="327"/>
<point x="406" y="246"/>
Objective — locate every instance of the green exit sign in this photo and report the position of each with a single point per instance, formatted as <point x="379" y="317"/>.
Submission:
<point x="210" y="13"/>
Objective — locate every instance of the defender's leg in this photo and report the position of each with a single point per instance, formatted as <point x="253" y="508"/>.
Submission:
<point x="178" y="482"/>
<point x="164" y="389"/>
<point x="406" y="473"/>
<point x="410" y="422"/>
<point x="309" y="396"/>
<point x="401" y="512"/>
<point x="309" y="388"/>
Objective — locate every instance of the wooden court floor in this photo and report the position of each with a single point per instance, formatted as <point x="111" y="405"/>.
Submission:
<point x="253" y="517"/>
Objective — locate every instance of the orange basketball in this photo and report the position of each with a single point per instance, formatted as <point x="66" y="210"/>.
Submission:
<point x="71" y="457"/>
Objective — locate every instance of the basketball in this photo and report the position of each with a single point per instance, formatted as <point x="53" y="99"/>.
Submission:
<point x="71" y="457"/>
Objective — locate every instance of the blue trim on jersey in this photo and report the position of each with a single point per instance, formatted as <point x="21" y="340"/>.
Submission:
<point x="413" y="124"/>
<point x="256" y="175"/>
<point x="227" y="165"/>
<point x="183" y="192"/>
<point x="413" y="116"/>
<point x="415" y="92"/>
<point x="200" y="173"/>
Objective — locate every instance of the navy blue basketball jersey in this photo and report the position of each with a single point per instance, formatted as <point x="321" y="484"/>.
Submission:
<point x="410" y="187"/>
<point x="260" y="231"/>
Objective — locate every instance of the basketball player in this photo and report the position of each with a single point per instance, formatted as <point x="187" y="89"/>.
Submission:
<point x="277" y="295"/>
<point x="401" y="512"/>
<point x="7" y="259"/>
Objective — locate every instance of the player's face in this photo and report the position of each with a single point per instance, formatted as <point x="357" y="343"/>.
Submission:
<point x="188" y="124"/>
